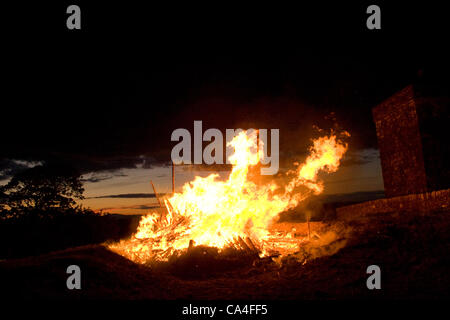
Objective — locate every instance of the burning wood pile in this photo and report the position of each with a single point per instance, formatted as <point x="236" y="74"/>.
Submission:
<point x="233" y="215"/>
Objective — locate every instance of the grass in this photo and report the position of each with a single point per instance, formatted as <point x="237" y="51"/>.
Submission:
<point x="411" y="250"/>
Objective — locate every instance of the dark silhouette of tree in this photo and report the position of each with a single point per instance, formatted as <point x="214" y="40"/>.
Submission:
<point x="42" y="188"/>
<point x="3" y="198"/>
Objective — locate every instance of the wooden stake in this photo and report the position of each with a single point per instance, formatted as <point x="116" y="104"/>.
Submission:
<point x="156" y="195"/>
<point x="251" y="245"/>
<point x="173" y="178"/>
<point x="191" y="245"/>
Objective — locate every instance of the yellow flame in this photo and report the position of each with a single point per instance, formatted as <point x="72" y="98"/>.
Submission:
<point x="325" y="154"/>
<point x="216" y="213"/>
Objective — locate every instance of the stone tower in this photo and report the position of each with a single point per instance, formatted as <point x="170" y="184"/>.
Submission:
<point x="412" y="132"/>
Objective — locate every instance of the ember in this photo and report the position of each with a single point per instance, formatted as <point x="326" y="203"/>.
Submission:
<point x="236" y="212"/>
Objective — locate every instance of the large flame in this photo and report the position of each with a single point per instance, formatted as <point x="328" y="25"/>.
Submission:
<point x="217" y="213"/>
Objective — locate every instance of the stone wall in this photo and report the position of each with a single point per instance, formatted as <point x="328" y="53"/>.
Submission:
<point x="412" y="130"/>
<point x="400" y="144"/>
<point x="423" y="202"/>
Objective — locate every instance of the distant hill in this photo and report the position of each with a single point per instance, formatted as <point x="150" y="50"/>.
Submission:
<point x="323" y="207"/>
<point x="352" y="197"/>
<point x="32" y="236"/>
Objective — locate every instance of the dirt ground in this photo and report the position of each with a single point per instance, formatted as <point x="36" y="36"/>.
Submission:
<point x="412" y="251"/>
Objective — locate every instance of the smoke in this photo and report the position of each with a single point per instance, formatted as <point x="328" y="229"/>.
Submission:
<point x="320" y="245"/>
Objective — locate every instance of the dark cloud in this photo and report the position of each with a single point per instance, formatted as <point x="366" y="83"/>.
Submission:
<point x="129" y="195"/>
<point x="142" y="207"/>
<point x="9" y="167"/>
<point x="103" y="164"/>
<point x="93" y="180"/>
<point x="360" y="158"/>
<point x="101" y="176"/>
<point x="122" y="96"/>
<point x="133" y="207"/>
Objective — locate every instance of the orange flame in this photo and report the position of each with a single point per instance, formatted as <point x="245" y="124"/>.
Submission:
<point x="216" y="213"/>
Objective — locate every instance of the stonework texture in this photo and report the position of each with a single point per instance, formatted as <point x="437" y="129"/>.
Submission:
<point x="423" y="202"/>
<point x="412" y="139"/>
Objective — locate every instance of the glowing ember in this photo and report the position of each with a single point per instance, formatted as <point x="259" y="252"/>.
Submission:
<point x="220" y="213"/>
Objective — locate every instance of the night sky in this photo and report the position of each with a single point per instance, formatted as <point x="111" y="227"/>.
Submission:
<point x="107" y="98"/>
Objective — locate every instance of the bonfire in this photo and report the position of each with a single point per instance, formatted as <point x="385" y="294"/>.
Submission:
<point x="236" y="212"/>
